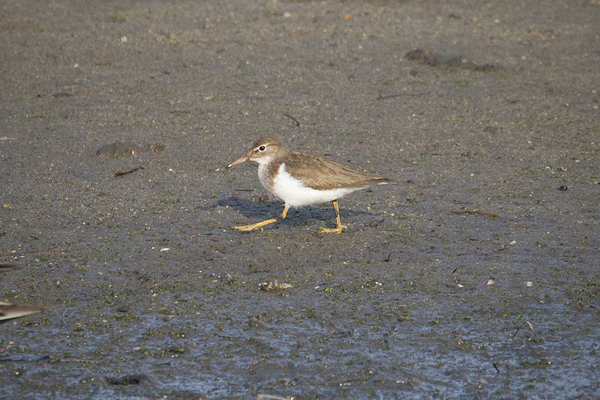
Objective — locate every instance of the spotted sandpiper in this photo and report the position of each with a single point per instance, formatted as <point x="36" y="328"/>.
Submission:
<point x="302" y="179"/>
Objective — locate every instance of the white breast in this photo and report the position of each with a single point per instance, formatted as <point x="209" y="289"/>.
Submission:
<point x="295" y="193"/>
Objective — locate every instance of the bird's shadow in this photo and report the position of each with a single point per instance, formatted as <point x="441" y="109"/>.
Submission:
<point x="306" y="215"/>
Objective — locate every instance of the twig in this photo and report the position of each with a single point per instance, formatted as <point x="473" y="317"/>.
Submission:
<point x="296" y="122"/>
<point x="487" y="214"/>
<point x="229" y="277"/>
<point x="391" y="96"/>
<point x="121" y="173"/>
<point x="520" y="326"/>
<point x="7" y="347"/>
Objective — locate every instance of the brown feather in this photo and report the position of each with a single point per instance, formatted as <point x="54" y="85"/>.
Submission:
<point x="321" y="173"/>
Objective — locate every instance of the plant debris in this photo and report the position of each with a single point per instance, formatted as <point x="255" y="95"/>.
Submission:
<point x="121" y="173"/>
<point x="487" y="214"/>
<point x="436" y="60"/>
<point x="272" y="286"/>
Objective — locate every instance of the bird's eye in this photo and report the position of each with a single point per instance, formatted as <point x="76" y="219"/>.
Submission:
<point x="262" y="148"/>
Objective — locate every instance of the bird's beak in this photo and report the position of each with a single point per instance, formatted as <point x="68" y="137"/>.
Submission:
<point x="238" y="161"/>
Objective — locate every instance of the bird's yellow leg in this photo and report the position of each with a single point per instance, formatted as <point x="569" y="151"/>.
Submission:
<point x="259" y="225"/>
<point x="337" y="220"/>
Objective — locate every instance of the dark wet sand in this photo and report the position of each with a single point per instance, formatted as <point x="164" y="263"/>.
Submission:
<point x="154" y="296"/>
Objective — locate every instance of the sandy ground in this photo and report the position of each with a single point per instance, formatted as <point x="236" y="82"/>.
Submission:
<point x="476" y="277"/>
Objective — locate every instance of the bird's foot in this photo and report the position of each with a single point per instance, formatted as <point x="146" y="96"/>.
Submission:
<point x="258" y="225"/>
<point x="337" y="230"/>
<point x="247" y="228"/>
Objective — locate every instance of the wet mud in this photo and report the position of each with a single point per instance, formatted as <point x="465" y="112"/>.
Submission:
<point x="475" y="277"/>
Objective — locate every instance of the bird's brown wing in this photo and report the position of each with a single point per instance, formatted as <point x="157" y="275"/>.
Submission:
<point x="321" y="173"/>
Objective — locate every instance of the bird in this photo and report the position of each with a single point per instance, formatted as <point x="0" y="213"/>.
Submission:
<point x="10" y="311"/>
<point x="302" y="179"/>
